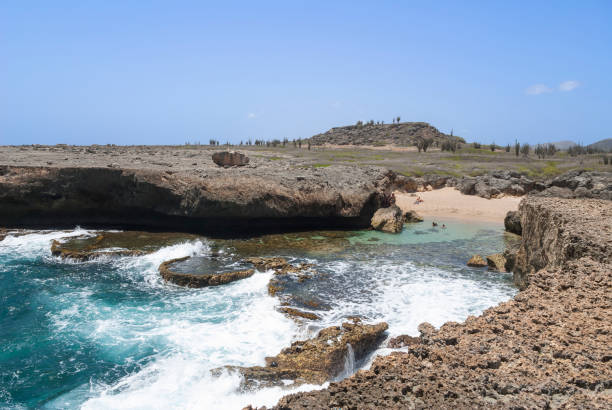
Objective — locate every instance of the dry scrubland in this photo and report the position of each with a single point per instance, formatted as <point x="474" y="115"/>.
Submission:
<point x="466" y="161"/>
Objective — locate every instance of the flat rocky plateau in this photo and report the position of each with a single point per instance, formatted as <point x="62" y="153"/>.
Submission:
<point x="181" y="189"/>
<point x="549" y="347"/>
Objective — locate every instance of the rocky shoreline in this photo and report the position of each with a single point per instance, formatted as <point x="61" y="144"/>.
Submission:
<point x="549" y="347"/>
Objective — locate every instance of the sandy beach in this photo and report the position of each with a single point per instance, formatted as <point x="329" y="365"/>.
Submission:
<point x="450" y="203"/>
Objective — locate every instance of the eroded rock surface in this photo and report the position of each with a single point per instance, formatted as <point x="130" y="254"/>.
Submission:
<point x="230" y="159"/>
<point x="512" y="222"/>
<point x="200" y="280"/>
<point x="315" y="360"/>
<point x="389" y="219"/>
<point x="476" y="261"/>
<point x="205" y="199"/>
<point x="549" y="347"/>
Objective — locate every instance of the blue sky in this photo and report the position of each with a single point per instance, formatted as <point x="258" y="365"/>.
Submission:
<point x="153" y="72"/>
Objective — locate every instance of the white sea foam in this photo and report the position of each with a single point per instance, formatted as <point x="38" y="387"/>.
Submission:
<point x="36" y="244"/>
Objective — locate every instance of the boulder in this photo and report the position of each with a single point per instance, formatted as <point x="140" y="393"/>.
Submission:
<point x="389" y="219"/>
<point x="476" y="261"/>
<point x="230" y="159"/>
<point x="497" y="262"/>
<point x="412" y="216"/>
<point x="512" y="222"/>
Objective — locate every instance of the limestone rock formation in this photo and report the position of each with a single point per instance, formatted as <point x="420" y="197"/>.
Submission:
<point x="497" y="262"/>
<point x="209" y="200"/>
<point x="512" y="222"/>
<point x="200" y="280"/>
<point x="477" y="261"/>
<point x="315" y="360"/>
<point x="230" y="159"/>
<point x="412" y="216"/>
<point x="389" y="219"/>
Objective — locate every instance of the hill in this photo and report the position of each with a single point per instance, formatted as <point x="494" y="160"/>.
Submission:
<point x="604" y="145"/>
<point x="403" y="134"/>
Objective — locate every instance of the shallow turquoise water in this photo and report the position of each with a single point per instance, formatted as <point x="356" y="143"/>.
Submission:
<point x="110" y="334"/>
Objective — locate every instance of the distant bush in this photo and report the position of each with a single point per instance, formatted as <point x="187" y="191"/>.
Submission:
<point x="493" y="146"/>
<point x="476" y="145"/>
<point x="508" y="148"/>
<point x="525" y="149"/>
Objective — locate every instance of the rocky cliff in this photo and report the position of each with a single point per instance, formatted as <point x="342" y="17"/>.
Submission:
<point x="549" y="347"/>
<point x="215" y="199"/>
<point x="405" y="134"/>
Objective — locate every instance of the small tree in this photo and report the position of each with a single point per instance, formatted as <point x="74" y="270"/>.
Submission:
<point x="476" y="145"/>
<point x="493" y="147"/>
<point x="398" y="119"/>
<point x="508" y="148"/>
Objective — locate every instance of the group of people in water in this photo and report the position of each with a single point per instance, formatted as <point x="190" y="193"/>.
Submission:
<point x="434" y="224"/>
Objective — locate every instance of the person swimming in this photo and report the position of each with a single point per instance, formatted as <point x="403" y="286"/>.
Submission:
<point x="443" y="226"/>
<point x="434" y="224"/>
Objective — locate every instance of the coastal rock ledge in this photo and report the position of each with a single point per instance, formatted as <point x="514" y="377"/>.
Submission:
<point x="549" y="347"/>
<point x="208" y="199"/>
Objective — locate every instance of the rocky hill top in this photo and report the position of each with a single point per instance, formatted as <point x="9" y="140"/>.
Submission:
<point x="404" y="134"/>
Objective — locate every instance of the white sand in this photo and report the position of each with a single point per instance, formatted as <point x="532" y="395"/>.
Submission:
<point x="450" y="203"/>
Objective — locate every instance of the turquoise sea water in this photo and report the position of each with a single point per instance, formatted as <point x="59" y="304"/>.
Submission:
<point x="110" y="334"/>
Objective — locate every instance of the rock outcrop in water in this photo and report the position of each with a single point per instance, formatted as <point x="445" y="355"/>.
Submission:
<point x="316" y="360"/>
<point x="209" y="199"/>
<point x="476" y="261"/>
<point x="200" y="280"/>
<point x="389" y="219"/>
<point x="549" y="347"/>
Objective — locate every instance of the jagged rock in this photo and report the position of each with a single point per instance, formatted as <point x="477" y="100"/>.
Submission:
<point x="412" y="216"/>
<point x="512" y="222"/>
<point x="388" y="219"/>
<point x="200" y="281"/>
<point x="57" y="249"/>
<point x="555" y="191"/>
<point x="315" y="360"/>
<point x="402" y="341"/>
<point x="230" y="159"/>
<point x="264" y="264"/>
<point x="295" y="313"/>
<point x="497" y="262"/>
<point x="477" y="261"/>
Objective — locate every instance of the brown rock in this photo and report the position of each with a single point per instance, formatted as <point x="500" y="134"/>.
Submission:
<point x="200" y="281"/>
<point x="388" y="219"/>
<point x="497" y="262"/>
<point x="403" y="341"/>
<point x="295" y="313"/>
<point x="315" y="360"/>
<point x="230" y="159"/>
<point x="413" y="216"/>
<point x="477" y="261"/>
<point x="512" y="222"/>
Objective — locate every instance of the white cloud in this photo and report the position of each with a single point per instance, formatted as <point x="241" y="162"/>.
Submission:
<point x="569" y="85"/>
<point x="251" y="115"/>
<point x="538" y="89"/>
